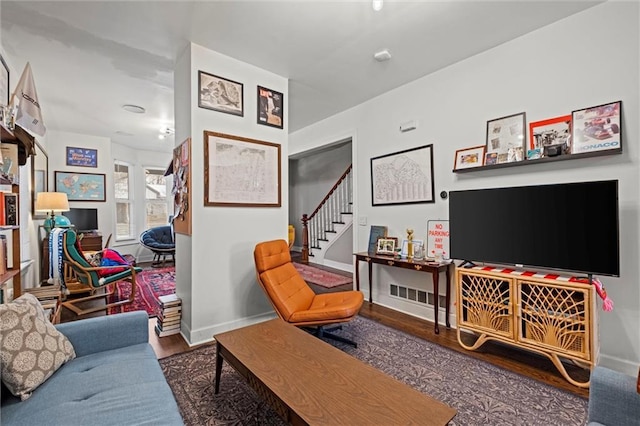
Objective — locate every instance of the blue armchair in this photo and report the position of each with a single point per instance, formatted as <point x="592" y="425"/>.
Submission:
<point x="161" y="242"/>
<point x="614" y="399"/>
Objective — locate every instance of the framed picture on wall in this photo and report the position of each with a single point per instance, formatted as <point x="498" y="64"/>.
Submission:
<point x="469" y="157"/>
<point x="83" y="157"/>
<point x="550" y="137"/>
<point x="220" y="94"/>
<point x="404" y="177"/>
<point x="506" y="137"/>
<point x="270" y="107"/>
<point x="597" y="128"/>
<point x="81" y="186"/>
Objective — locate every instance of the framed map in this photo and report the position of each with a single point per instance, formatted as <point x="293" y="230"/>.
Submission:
<point x="404" y="177"/>
<point x="81" y="186"/>
<point x="240" y="171"/>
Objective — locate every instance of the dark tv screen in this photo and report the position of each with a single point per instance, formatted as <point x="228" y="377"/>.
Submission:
<point x="84" y="220"/>
<point x="571" y="226"/>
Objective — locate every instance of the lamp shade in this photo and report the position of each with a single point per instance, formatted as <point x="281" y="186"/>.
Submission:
<point x="52" y="202"/>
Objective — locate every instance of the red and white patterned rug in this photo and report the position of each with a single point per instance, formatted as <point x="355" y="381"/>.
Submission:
<point x="320" y="277"/>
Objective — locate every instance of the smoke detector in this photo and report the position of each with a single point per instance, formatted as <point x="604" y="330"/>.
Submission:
<point x="382" y="55"/>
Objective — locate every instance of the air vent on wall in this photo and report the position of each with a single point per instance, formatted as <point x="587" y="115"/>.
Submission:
<point x="414" y="295"/>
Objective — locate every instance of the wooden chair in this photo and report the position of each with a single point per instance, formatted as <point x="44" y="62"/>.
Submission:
<point x="294" y="301"/>
<point x="88" y="276"/>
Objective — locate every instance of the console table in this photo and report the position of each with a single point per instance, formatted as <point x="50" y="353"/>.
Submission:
<point x="416" y="265"/>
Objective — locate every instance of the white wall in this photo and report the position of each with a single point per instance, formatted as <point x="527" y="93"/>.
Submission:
<point x="546" y="73"/>
<point x="224" y="292"/>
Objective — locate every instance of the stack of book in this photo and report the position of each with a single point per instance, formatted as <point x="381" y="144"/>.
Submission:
<point x="169" y="318"/>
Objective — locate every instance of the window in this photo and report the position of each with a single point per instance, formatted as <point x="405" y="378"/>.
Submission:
<point x="123" y="186"/>
<point x="156" y="207"/>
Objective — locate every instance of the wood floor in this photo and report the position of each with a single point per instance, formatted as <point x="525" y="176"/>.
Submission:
<point x="507" y="357"/>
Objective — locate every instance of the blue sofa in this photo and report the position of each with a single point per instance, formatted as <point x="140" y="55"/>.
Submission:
<point x="115" y="379"/>
<point x="613" y="399"/>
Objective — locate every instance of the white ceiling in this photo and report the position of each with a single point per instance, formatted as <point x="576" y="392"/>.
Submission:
<point x="91" y="57"/>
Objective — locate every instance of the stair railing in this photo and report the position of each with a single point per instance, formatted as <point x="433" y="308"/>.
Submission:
<point x="326" y="215"/>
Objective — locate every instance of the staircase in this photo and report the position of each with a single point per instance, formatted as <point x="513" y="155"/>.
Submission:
<point x="332" y="218"/>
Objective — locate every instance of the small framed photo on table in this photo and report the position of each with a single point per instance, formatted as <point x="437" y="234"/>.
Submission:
<point x="469" y="157"/>
<point x="386" y="246"/>
<point x="506" y="137"/>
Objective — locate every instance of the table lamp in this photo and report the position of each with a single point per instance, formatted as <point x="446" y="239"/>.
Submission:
<point x="52" y="202"/>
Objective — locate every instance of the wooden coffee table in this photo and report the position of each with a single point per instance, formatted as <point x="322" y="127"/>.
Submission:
<point x="308" y="381"/>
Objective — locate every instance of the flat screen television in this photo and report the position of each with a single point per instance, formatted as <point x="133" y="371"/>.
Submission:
<point x="84" y="220"/>
<point x="568" y="226"/>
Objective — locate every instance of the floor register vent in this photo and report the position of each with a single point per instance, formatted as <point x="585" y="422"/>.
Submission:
<point x="415" y="295"/>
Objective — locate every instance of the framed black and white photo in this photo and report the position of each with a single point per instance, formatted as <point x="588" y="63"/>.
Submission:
<point x="549" y="137"/>
<point x="597" y="128"/>
<point x="270" y="107"/>
<point x="404" y="177"/>
<point x="506" y="137"/>
<point x="220" y="94"/>
<point x="4" y="82"/>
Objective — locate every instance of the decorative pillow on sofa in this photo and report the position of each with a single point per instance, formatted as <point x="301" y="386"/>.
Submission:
<point x="32" y="349"/>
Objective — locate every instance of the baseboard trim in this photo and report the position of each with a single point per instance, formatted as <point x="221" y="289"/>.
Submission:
<point x="617" y="364"/>
<point x="205" y="335"/>
<point x="347" y="267"/>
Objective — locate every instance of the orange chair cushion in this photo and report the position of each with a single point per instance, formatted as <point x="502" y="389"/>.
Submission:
<point x="271" y="254"/>
<point x="330" y="307"/>
<point x="287" y="290"/>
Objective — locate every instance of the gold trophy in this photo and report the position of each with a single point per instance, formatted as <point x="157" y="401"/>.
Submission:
<point x="410" y="244"/>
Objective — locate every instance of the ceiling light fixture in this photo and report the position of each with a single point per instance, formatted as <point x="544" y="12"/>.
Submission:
<point x="134" y="109"/>
<point x="377" y="5"/>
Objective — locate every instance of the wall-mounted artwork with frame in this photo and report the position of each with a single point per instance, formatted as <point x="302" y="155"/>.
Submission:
<point x="270" y="107"/>
<point x="181" y="168"/>
<point x="220" y="94"/>
<point x="597" y="128"/>
<point x="81" y="186"/>
<point x="83" y="157"/>
<point x="549" y="137"/>
<point x="506" y="137"/>
<point x="469" y="157"/>
<point x="404" y="177"/>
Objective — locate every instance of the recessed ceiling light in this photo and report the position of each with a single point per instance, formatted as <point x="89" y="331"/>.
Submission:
<point x="161" y="136"/>
<point x="134" y="109"/>
<point x="377" y="5"/>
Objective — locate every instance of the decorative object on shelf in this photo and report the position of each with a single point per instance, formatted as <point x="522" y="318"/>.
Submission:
<point x="9" y="172"/>
<point x="241" y="172"/>
<point x="83" y="157"/>
<point x="386" y="245"/>
<point x="52" y="203"/>
<point x="469" y="157"/>
<point x="220" y="94"/>
<point x="597" y="128"/>
<point x="39" y="176"/>
<point x="270" y="107"/>
<point x="81" y="186"/>
<point x="404" y="177"/>
<point x="506" y="137"/>
<point x="10" y="209"/>
<point x="181" y="169"/>
<point x="438" y="239"/>
<point x="409" y="252"/>
<point x="550" y="137"/>
<point x="28" y="114"/>
<point x="489" y="158"/>
<point x="4" y="83"/>
<point x="376" y="232"/>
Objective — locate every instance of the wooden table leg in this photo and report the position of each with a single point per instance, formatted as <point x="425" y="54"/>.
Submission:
<point x="448" y="296"/>
<point x="370" y="281"/>
<point x="218" y="369"/>
<point x="436" y="275"/>
<point x="357" y="273"/>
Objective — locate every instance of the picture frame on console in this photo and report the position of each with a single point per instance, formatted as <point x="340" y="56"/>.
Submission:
<point x="467" y="158"/>
<point x="549" y="137"/>
<point x="386" y="246"/>
<point x="506" y="137"/>
<point x="597" y="128"/>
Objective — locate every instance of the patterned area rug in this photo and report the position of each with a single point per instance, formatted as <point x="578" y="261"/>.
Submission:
<point x="152" y="283"/>
<point x="320" y="277"/>
<point x="482" y="393"/>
